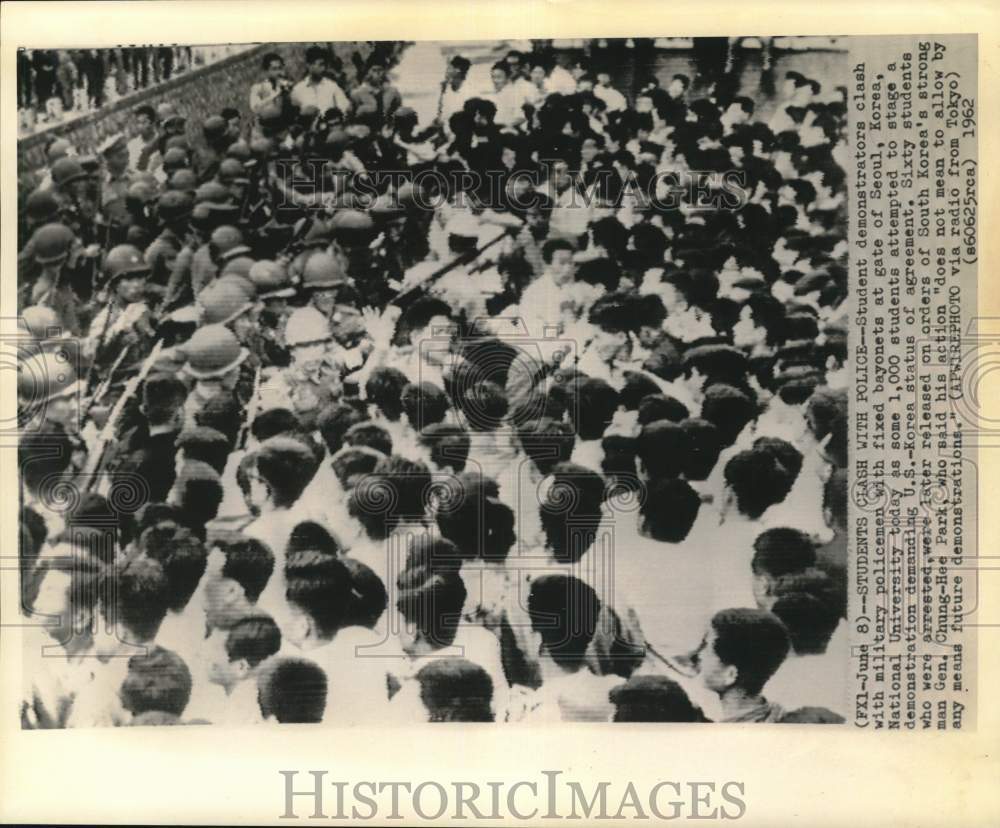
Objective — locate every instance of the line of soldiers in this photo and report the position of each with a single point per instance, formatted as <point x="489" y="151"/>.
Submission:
<point x="203" y="266"/>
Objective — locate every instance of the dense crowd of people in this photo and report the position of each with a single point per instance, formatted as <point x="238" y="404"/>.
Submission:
<point x="535" y="412"/>
<point x="54" y="84"/>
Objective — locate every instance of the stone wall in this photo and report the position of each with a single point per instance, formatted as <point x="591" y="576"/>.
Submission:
<point x="196" y="94"/>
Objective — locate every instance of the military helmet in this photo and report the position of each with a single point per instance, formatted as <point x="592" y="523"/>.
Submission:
<point x="52" y="242"/>
<point x="67" y="170"/>
<point x="306" y="326"/>
<point x="213" y="351"/>
<point x="46" y="376"/>
<point x="322" y="271"/>
<point x="123" y="260"/>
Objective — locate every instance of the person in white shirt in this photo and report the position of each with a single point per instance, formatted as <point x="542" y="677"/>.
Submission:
<point x="234" y="662"/>
<point x="564" y="615"/>
<point x="613" y="99"/>
<point x="272" y="86"/>
<point x="320" y="599"/>
<point x="813" y="675"/>
<point x="283" y="468"/>
<point x="315" y="89"/>
<point x="742" y="649"/>
<point x="455" y="91"/>
<point x="507" y="96"/>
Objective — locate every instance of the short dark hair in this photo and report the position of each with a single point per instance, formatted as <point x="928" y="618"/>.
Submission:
<point x="782" y="551"/>
<point x="368" y="599"/>
<point x="162" y="397"/>
<point x="293" y="691"/>
<point x="333" y="422"/>
<point x="483" y="405"/>
<point x="729" y="410"/>
<point x="320" y="585"/>
<point x="456" y="690"/>
<point x="314" y="53"/>
<point x="392" y="494"/>
<point x="350" y="463"/>
<point x="369" y="434"/>
<point x="812" y="715"/>
<point x="637" y="386"/>
<point x="157" y="681"/>
<point x="547" y="442"/>
<point x="552" y="245"/>
<point x="703" y="446"/>
<point x="434" y="606"/>
<point x="287" y="466"/>
<point x="753" y="641"/>
<point x="684" y="79"/>
<point x="384" y="389"/>
<point x="661" y="447"/>
<point x="649" y="698"/>
<point x="182" y="555"/>
<point x="253" y="638"/>
<point x="757" y="480"/>
<point x="670" y="509"/>
<point x="564" y="611"/>
<point x="146" y="110"/>
<point x="223" y="413"/>
<point x="270" y="58"/>
<point x="449" y="445"/>
<point x="572" y="511"/>
<point x="424" y="404"/>
<point x="810" y="621"/>
<point x="476" y="521"/>
<point x="250" y="563"/>
<point x="655" y="407"/>
<point x="142" y="593"/>
<point x="272" y="422"/>
<point x="596" y="403"/>
<point x="205" y="444"/>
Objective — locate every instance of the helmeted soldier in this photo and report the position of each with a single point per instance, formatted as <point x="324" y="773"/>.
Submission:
<point x="217" y="139"/>
<point x="49" y="389"/>
<point x="115" y="182"/>
<point x="40" y="207"/>
<point x="233" y="175"/>
<point x="122" y="333"/>
<point x="313" y="380"/>
<point x="56" y="271"/>
<point x="231" y="301"/>
<point x="39" y="330"/>
<point x="324" y="280"/>
<point x="274" y="289"/>
<point x="140" y="204"/>
<point x="78" y="196"/>
<point x="195" y="266"/>
<point x="173" y="208"/>
<point x="213" y="359"/>
<point x="354" y="231"/>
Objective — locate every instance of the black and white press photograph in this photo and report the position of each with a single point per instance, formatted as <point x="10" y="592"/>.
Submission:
<point x="377" y="383"/>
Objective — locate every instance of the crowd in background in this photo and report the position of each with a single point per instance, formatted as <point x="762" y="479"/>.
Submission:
<point x="56" y="84"/>
<point x="534" y="412"/>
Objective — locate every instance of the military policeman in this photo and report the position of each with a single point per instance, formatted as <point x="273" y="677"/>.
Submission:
<point x="213" y="358"/>
<point x="122" y="332"/>
<point x="116" y="180"/>
<point x="173" y="208"/>
<point x="313" y="380"/>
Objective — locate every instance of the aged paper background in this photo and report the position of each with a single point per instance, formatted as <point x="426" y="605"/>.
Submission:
<point x="830" y="776"/>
